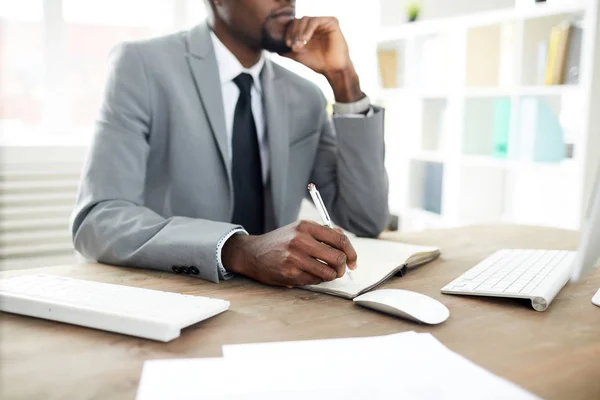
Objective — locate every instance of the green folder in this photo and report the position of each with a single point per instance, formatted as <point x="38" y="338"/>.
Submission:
<point x="501" y="127"/>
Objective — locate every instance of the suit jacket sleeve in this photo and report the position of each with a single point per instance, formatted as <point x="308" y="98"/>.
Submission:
<point x="350" y="173"/>
<point x="110" y="223"/>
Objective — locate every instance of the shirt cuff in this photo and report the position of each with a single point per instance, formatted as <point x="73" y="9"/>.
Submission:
<point x="366" y="115"/>
<point x="358" y="108"/>
<point x="223" y="273"/>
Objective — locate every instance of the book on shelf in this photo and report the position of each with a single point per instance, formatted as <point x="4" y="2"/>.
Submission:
<point x="564" y="53"/>
<point x="571" y="72"/>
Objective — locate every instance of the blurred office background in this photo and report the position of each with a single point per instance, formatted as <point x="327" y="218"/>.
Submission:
<point x="492" y="106"/>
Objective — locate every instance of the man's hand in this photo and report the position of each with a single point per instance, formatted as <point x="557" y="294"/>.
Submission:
<point x="318" y="43"/>
<point x="288" y="256"/>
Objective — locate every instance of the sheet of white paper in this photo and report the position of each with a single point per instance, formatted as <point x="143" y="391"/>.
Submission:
<point x="376" y="259"/>
<point x="314" y="348"/>
<point x="229" y="379"/>
<point x="463" y="378"/>
<point x="407" y="366"/>
<point x="451" y="370"/>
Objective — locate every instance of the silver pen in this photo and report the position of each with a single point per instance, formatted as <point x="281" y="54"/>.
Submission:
<point x="316" y="197"/>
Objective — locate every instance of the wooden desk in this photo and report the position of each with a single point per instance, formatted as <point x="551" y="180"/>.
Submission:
<point x="555" y="354"/>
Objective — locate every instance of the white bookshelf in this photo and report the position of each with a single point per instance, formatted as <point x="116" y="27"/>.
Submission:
<point x="460" y="78"/>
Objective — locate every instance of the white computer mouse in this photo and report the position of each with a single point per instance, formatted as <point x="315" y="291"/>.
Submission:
<point x="405" y="304"/>
<point x="596" y="298"/>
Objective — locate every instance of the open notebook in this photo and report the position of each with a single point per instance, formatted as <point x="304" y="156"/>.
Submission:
<point x="378" y="260"/>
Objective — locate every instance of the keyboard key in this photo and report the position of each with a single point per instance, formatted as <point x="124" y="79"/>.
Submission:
<point x="529" y="288"/>
<point x="470" y="286"/>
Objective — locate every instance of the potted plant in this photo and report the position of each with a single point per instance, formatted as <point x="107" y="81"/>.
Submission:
<point x="412" y="11"/>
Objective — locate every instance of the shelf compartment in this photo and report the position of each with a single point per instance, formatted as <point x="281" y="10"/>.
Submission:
<point x="490" y="56"/>
<point x="391" y="57"/>
<point x="482" y="191"/>
<point x="431" y="70"/>
<point x="402" y="126"/>
<point x="536" y="42"/>
<point x="434" y="125"/>
<point x="487" y="124"/>
<point x="547" y="128"/>
<point x="426" y="185"/>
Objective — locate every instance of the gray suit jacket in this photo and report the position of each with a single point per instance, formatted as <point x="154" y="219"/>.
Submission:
<point x="156" y="190"/>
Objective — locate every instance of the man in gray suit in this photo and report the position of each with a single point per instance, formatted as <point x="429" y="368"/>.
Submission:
<point x="204" y="148"/>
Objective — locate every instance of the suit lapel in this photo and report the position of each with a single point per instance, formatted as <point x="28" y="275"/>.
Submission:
<point x="205" y="71"/>
<point x="276" y="108"/>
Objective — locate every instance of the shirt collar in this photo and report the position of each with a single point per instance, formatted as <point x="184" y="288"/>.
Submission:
<point x="230" y="67"/>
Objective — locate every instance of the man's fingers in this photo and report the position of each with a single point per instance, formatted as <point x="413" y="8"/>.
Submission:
<point x="336" y="240"/>
<point x="298" y="277"/>
<point x="306" y="34"/>
<point x="292" y="32"/>
<point x="301" y="38"/>
<point x="335" y="259"/>
<point x="300" y="28"/>
<point x="301" y="31"/>
<point x="316" y="268"/>
<point x="306" y="279"/>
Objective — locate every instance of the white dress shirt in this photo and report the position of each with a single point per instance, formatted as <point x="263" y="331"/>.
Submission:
<point x="229" y="69"/>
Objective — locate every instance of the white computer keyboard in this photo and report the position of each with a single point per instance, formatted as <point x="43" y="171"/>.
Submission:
<point x="530" y="274"/>
<point x="145" y="313"/>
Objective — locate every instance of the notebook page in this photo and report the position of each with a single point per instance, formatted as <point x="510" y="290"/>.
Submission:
<point x="377" y="261"/>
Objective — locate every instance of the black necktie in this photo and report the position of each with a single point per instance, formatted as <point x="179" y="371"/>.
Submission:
<point x="249" y="208"/>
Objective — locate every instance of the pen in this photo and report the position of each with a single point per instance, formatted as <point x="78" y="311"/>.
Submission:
<point x="316" y="197"/>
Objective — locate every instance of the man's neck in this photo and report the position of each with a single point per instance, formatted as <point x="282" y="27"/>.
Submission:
<point x="246" y="55"/>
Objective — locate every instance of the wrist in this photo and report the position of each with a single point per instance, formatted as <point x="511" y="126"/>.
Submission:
<point x="232" y="254"/>
<point x="345" y="85"/>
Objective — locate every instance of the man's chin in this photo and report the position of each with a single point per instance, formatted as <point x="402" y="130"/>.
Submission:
<point x="276" y="47"/>
<point x="274" y="42"/>
<point x="273" y="45"/>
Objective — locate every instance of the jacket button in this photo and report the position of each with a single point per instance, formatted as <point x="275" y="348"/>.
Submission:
<point x="176" y="269"/>
<point x="194" y="270"/>
<point x="185" y="270"/>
